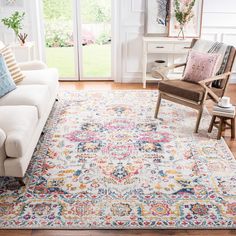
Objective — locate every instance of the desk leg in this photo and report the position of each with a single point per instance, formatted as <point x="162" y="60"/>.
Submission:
<point x="144" y="65"/>
<point x="144" y="83"/>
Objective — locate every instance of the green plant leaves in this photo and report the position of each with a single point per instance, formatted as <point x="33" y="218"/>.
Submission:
<point x="14" y="22"/>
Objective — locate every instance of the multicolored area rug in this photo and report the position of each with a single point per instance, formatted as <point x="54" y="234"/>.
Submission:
<point x="106" y="163"/>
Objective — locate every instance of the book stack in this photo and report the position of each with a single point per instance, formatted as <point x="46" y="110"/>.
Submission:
<point x="224" y="111"/>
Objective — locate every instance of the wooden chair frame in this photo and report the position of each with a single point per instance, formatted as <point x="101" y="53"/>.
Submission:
<point x="199" y="106"/>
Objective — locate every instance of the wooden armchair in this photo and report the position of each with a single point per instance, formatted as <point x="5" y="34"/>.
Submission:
<point x="191" y="94"/>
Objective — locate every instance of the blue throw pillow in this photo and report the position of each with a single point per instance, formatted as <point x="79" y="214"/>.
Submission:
<point x="6" y="82"/>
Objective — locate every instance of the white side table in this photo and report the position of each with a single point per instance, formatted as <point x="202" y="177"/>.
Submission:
<point x="25" y="52"/>
<point x="163" y="46"/>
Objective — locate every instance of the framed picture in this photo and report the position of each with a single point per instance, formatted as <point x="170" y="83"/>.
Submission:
<point x="157" y="17"/>
<point x="191" y="29"/>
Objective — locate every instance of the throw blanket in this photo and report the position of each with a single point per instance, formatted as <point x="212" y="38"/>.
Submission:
<point x="215" y="47"/>
<point x="162" y="14"/>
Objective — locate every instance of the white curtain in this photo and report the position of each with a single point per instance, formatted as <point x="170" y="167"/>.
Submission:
<point x="37" y="27"/>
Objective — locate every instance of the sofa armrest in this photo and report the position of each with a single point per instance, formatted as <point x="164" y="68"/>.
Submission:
<point x="2" y="152"/>
<point x="2" y="137"/>
<point x="48" y="73"/>
<point x="32" y="65"/>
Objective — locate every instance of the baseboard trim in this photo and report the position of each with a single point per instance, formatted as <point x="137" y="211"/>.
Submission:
<point x="138" y="79"/>
<point x="232" y="80"/>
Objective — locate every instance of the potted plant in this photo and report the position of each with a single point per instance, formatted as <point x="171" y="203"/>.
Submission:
<point x="183" y="13"/>
<point x="14" y="22"/>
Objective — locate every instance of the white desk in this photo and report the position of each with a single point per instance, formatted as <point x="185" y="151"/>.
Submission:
<point x="25" y="52"/>
<point x="163" y="46"/>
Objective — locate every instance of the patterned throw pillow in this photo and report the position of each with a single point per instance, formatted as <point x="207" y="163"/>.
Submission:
<point x="13" y="68"/>
<point x="6" y="82"/>
<point x="201" y="66"/>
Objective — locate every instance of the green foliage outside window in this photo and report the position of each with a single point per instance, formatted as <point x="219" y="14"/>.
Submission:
<point x="58" y="16"/>
<point x="94" y="11"/>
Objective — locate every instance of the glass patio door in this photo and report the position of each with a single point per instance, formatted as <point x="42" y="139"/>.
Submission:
<point x="95" y="39"/>
<point x="61" y="45"/>
<point x="78" y="38"/>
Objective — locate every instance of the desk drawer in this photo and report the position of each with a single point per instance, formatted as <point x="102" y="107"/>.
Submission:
<point x="182" y="48"/>
<point x="160" y="47"/>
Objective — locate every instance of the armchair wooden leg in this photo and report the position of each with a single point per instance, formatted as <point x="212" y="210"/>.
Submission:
<point x="198" y="120"/>
<point x="158" y="106"/>
<point x="21" y="182"/>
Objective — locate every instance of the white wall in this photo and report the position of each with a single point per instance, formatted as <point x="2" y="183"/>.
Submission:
<point x="219" y="23"/>
<point x="131" y="33"/>
<point x="31" y="22"/>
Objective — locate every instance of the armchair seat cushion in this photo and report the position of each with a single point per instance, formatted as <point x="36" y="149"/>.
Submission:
<point x="183" y="89"/>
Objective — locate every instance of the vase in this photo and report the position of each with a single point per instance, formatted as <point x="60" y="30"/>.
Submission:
<point x="181" y="32"/>
<point x="16" y="39"/>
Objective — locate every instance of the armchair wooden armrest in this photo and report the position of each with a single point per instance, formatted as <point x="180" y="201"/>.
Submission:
<point x="204" y="83"/>
<point x="161" y="71"/>
<point x="217" y="77"/>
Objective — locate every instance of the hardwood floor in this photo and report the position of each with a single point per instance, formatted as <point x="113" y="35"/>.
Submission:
<point x="117" y="86"/>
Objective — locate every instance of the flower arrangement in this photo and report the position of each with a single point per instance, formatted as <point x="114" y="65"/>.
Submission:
<point x="183" y="13"/>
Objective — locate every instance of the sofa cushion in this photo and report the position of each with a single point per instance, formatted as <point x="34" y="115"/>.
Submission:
<point x="29" y="95"/>
<point x="183" y="89"/>
<point x="12" y="65"/>
<point x="44" y="77"/>
<point x="6" y="82"/>
<point x="18" y="123"/>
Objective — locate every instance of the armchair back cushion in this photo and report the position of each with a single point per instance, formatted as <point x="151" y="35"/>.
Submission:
<point x="200" y="66"/>
<point x="228" y="68"/>
<point x="227" y="53"/>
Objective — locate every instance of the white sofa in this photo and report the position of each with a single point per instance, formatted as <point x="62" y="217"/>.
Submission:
<point x="23" y="114"/>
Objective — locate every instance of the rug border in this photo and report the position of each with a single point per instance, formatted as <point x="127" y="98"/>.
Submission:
<point x="222" y="140"/>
